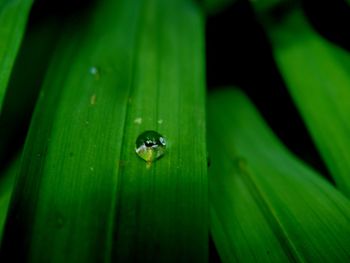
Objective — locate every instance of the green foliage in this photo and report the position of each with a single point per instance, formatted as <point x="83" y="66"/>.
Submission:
<point x="6" y="187"/>
<point x="25" y="84"/>
<point x="317" y="75"/>
<point x="265" y="204"/>
<point x="82" y="189"/>
<point x="112" y="70"/>
<point x="13" y="17"/>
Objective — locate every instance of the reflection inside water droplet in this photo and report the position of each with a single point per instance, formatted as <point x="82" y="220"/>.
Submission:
<point x="150" y="146"/>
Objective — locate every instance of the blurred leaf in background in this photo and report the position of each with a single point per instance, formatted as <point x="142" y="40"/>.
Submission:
<point x="317" y="75"/>
<point x="265" y="204"/>
<point x="7" y="181"/>
<point x="13" y="18"/>
<point x="24" y="86"/>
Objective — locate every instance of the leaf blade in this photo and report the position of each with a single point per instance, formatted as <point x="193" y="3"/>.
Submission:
<point x="86" y="136"/>
<point x="316" y="75"/>
<point x="303" y="218"/>
<point x="13" y="17"/>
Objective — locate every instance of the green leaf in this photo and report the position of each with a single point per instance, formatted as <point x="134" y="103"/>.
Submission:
<point x="266" y="205"/>
<point x="13" y="18"/>
<point x="83" y="193"/>
<point x="24" y="85"/>
<point x="317" y="75"/>
<point x="7" y="180"/>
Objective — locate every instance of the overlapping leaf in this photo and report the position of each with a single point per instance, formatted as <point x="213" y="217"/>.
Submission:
<point x="6" y="187"/>
<point x="317" y="75"/>
<point x="266" y="205"/>
<point x="24" y="85"/>
<point x="13" y="18"/>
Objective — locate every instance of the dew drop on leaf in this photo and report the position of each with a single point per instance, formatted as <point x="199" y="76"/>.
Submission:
<point x="150" y="146"/>
<point x="94" y="71"/>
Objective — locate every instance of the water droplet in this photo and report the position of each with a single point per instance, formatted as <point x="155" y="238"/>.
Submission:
<point x="160" y="121"/>
<point x="95" y="72"/>
<point x="150" y="146"/>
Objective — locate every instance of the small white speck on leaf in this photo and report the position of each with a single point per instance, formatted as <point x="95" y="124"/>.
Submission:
<point x="93" y="99"/>
<point x="95" y="72"/>
<point x="138" y="121"/>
